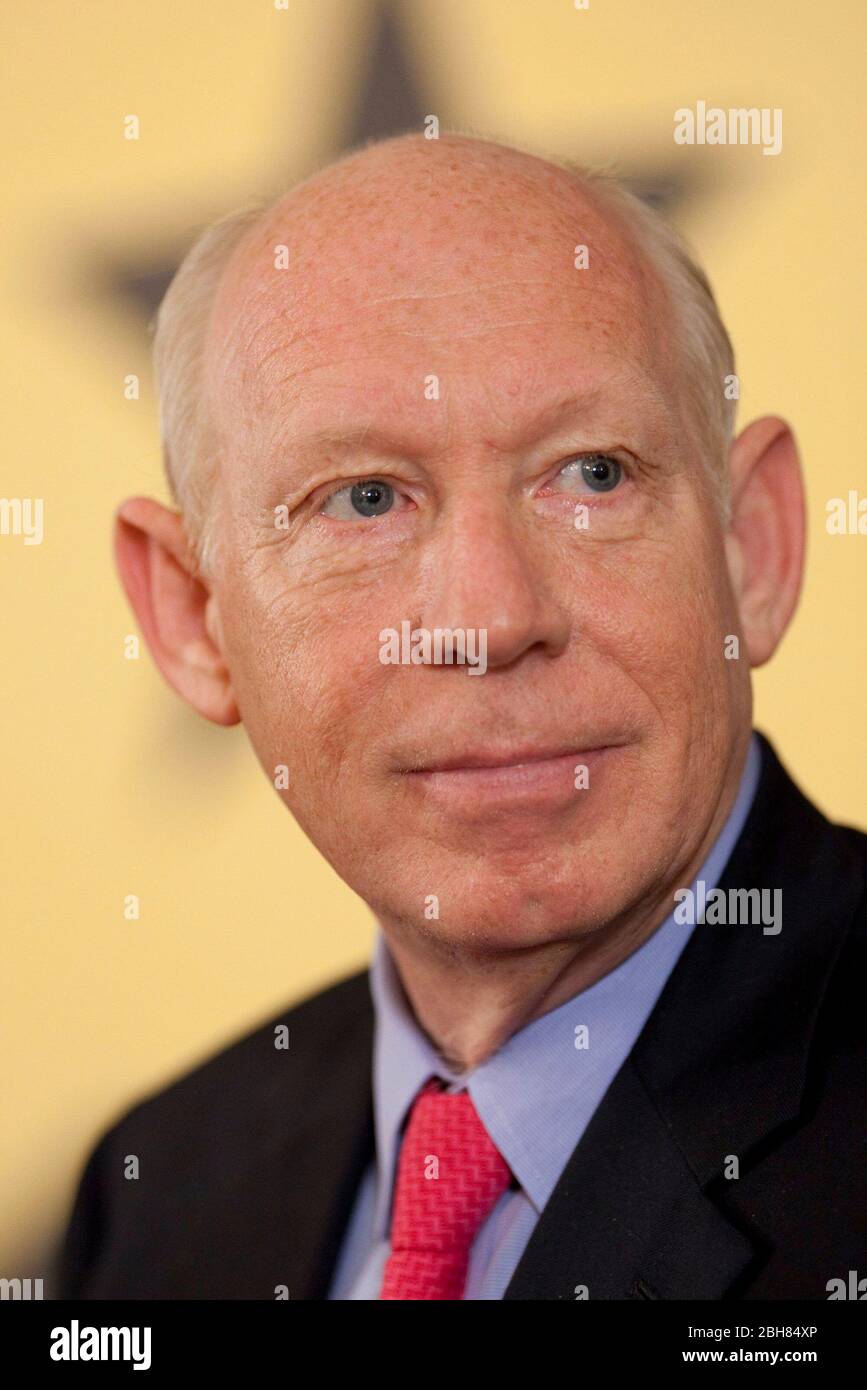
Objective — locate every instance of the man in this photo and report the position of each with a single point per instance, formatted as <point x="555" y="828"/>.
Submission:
<point x="614" y="1047"/>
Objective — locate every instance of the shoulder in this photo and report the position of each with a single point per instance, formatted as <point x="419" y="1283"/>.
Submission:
<point x="251" y="1071"/>
<point x="212" y="1136"/>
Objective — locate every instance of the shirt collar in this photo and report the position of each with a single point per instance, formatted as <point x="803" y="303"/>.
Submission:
<point x="537" y="1093"/>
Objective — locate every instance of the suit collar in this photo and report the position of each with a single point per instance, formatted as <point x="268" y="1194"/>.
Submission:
<point x="718" y="1069"/>
<point x="317" y="1165"/>
<point x="725" y="1052"/>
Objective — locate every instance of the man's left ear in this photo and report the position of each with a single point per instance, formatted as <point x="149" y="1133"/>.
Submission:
<point x="765" y="537"/>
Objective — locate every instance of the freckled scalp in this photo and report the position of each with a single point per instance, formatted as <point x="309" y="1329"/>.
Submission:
<point x="409" y="221"/>
<point x="408" y="203"/>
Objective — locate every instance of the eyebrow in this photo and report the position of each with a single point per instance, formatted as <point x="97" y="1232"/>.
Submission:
<point x="352" y="437"/>
<point x="631" y="378"/>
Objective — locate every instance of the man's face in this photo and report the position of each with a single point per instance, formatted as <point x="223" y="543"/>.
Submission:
<point x="435" y="336"/>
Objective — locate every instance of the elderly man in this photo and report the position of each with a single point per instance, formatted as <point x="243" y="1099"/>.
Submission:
<point x="607" y="1047"/>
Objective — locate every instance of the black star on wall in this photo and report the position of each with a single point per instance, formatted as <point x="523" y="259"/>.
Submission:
<point x="390" y="98"/>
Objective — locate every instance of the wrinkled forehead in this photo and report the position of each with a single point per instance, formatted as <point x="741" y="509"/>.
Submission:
<point x="421" y="270"/>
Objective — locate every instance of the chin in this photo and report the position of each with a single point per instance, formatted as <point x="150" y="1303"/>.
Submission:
<point x="496" y="907"/>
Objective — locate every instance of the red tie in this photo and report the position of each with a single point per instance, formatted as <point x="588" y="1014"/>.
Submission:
<point x="450" y="1175"/>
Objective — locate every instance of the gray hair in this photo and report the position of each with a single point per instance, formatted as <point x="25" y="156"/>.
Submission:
<point x="180" y="334"/>
<point x="705" y="347"/>
<point x="182" y="322"/>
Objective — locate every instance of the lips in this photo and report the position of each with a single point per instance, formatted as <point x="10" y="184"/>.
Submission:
<point x="479" y="759"/>
<point x="479" y="783"/>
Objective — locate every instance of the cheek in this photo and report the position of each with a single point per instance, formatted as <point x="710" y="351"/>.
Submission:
<point x="305" y="676"/>
<point x="659" y="610"/>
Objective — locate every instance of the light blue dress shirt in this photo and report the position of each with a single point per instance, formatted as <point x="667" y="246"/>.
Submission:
<point x="535" y="1095"/>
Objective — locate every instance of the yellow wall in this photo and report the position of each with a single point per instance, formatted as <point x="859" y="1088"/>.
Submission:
<point x="111" y="786"/>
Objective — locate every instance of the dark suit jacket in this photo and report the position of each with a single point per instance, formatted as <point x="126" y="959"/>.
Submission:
<point x="756" y="1049"/>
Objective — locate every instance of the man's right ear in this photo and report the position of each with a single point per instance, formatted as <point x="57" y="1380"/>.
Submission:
<point x="175" y="609"/>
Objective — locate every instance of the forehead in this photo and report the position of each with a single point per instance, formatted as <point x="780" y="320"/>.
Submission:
<point x="383" y="271"/>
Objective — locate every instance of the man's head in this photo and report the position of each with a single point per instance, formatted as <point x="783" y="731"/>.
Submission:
<point x="545" y="434"/>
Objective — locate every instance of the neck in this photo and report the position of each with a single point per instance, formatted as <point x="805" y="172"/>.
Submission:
<point x="470" y="1002"/>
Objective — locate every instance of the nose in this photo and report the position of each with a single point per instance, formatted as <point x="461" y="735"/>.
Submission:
<point x="489" y="572"/>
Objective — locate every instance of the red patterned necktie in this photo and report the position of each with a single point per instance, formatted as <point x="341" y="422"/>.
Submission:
<point x="450" y="1175"/>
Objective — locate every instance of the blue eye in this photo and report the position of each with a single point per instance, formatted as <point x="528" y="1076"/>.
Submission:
<point x="369" y="498"/>
<point x="600" y="472"/>
<point x="372" y="498"/>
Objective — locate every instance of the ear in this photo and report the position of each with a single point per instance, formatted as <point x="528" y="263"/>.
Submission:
<point x="175" y="609"/>
<point x="765" y="537"/>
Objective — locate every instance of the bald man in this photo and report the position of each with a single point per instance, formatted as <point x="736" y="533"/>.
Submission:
<point x="465" y="539"/>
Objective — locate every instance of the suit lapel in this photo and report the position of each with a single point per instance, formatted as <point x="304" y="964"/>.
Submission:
<point x="628" y="1218"/>
<point x="719" y="1068"/>
<point x="314" y="1172"/>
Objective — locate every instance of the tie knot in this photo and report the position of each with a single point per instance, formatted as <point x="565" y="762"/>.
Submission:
<point x="450" y="1176"/>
